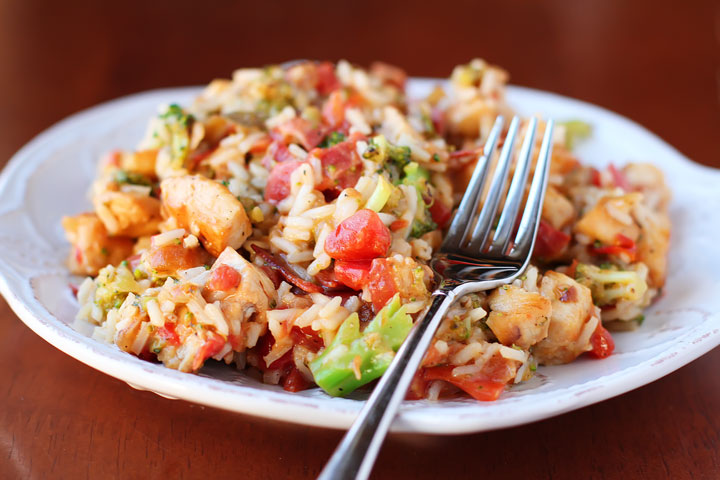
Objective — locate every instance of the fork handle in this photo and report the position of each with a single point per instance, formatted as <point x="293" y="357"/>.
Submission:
<point x="355" y="456"/>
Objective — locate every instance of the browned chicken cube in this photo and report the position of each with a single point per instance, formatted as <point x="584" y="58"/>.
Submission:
<point x="573" y="320"/>
<point x="208" y="210"/>
<point x="92" y="247"/>
<point x="518" y="317"/>
<point x="128" y="213"/>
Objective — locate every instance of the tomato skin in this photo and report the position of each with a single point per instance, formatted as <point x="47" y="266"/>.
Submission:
<point x="295" y="381"/>
<point x="477" y="386"/>
<point x="300" y="130"/>
<point x="619" y="178"/>
<point x="362" y="236"/>
<point x="418" y="387"/>
<point x="440" y="213"/>
<point x="327" y="82"/>
<point x="278" y="185"/>
<point x="167" y="333"/>
<point x="602" y="343"/>
<point x="549" y="242"/>
<point x="352" y="274"/>
<point x="623" y="246"/>
<point x="341" y="166"/>
<point x="382" y="286"/>
<point x="595" y="178"/>
<point x="213" y="344"/>
<point x="333" y="110"/>
<point x="224" y="278"/>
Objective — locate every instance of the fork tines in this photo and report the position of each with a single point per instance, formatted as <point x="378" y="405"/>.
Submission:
<point x="470" y="237"/>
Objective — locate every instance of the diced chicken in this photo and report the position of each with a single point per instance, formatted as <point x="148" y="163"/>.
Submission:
<point x="208" y="210"/>
<point x="574" y="319"/>
<point x="141" y="162"/>
<point x="518" y="317"/>
<point x="557" y="210"/>
<point x="247" y="297"/>
<point x="653" y="244"/>
<point x="648" y="179"/>
<point x="129" y="214"/>
<point x="168" y="259"/>
<point x="610" y="217"/>
<point x="93" y="248"/>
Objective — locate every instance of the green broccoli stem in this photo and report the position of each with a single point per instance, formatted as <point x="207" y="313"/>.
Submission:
<point x="356" y="358"/>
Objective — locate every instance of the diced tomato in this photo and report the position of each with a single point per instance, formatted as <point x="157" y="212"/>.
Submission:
<point x="261" y="144"/>
<point x="167" y="333"/>
<point x="623" y="246"/>
<point x="398" y="225"/>
<point x="341" y="166"/>
<point x="549" y="242"/>
<point x="278" y="184"/>
<point x="327" y="81"/>
<point x="213" y="344"/>
<point x="389" y="74"/>
<point x="619" y="178"/>
<point x="477" y="386"/>
<point x="595" y="177"/>
<point x="333" y="110"/>
<point x="418" y="387"/>
<point x="602" y="343"/>
<point x="353" y="274"/>
<point x="223" y="278"/>
<point x="295" y="381"/>
<point x="78" y="255"/>
<point x="440" y="213"/>
<point x="362" y="236"/>
<point x="299" y="130"/>
<point x="307" y="337"/>
<point x="73" y="289"/>
<point x="382" y="286"/>
<point x="437" y="115"/>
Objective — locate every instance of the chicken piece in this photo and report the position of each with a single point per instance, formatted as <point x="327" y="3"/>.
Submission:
<point x="208" y="210"/>
<point x="650" y="181"/>
<point x="574" y="318"/>
<point x="610" y="217"/>
<point x="168" y="259"/>
<point x="141" y="162"/>
<point x="518" y="317"/>
<point x="245" y="292"/>
<point x="557" y="210"/>
<point x="653" y="244"/>
<point x="93" y="248"/>
<point x="131" y="214"/>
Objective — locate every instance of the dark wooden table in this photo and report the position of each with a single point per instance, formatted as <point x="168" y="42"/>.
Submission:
<point x="656" y="62"/>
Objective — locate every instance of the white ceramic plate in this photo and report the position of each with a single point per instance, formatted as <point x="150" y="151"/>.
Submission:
<point x="48" y="178"/>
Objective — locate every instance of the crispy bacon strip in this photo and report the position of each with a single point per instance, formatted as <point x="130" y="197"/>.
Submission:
<point x="280" y="265"/>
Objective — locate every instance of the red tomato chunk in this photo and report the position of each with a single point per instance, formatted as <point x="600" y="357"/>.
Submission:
<point x="353" y="274"/>
<point x="361" y="236"/>
<point x="224" y="278"/>
<point x="278" y="185"/>
<point x="602" y="343"/>
<point x="381" y="285"/>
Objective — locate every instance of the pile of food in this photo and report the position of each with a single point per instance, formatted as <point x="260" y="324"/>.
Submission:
<point x="284" y="223"/>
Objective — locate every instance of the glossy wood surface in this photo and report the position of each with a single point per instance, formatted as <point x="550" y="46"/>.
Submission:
<point x="655" y="62"/>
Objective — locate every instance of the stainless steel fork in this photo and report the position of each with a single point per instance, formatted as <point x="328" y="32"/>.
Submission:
<point x="463" y="264"/>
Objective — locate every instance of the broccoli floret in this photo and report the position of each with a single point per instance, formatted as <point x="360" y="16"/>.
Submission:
<point x="611" y="285"/>
<point x="392" y="158"/>
<point x="113" y="285"/>
<point x="172" y="129"/>
<point x="333" y="139"/>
